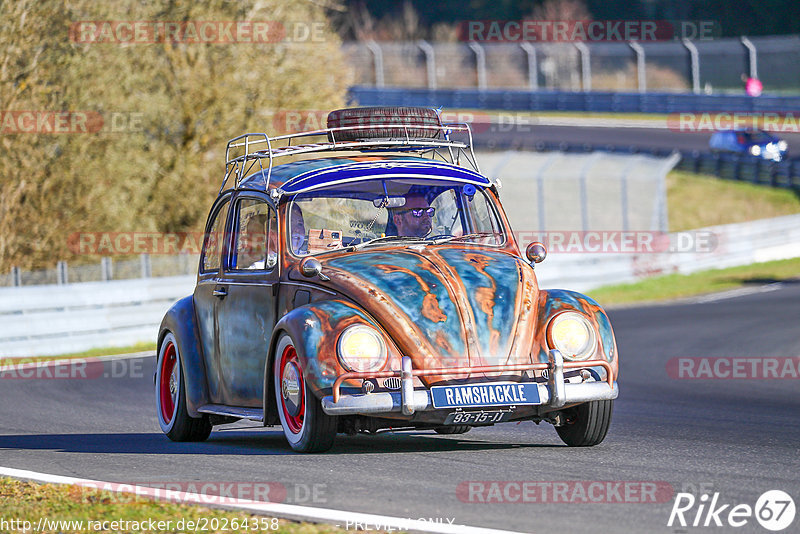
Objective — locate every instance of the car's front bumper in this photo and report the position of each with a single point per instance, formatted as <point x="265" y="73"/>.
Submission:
<point x="556" y="393"/>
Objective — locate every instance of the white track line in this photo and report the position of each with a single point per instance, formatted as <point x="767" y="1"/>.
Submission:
<point x="295" y="512"/>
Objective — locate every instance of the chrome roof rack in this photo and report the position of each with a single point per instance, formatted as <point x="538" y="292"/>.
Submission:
<point x="441" y="146"/>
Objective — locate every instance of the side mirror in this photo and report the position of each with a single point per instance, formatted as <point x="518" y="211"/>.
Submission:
<point x="311" y="267"/>
<point x="536" y="253"/>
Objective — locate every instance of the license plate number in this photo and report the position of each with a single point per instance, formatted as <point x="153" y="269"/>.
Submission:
<point x="476" y="418"/>
<point x="475" y="395"/>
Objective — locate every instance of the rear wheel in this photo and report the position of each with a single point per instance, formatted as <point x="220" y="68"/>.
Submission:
<point x="452" y="429"/>
<point x="306" y="426"/>
<point x="587" y="424"/>
<point x="173" y="417"/>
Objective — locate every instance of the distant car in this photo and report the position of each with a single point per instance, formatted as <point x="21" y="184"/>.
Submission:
<point x="754" y="142"/>
<point x="375" y="284"/>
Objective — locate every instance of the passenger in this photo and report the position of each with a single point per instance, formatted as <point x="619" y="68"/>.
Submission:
<point x="252" y="250"/>
<point x="414" y="218"/>
<point x="298" y="231"/>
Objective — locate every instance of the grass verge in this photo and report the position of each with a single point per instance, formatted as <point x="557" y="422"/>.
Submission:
<point x="30" y="501"/>
<point x="672" y="286"/>
<point x="698" y="200"/>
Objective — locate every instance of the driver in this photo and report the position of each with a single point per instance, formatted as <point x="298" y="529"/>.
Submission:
<point x="414" y="218"/>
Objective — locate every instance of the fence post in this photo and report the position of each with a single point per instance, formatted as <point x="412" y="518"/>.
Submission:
<point x="586" y="67"/>
<point x="641" y="72"/>
<point x="540" y="187"/>
<point x="695" y="58"/>
<point x="591" y="160"/>
<point x="105" y="269"/>
<point x="430" y="62"/>
<point x="480" y="63"/>
<point x="377" y="54"/>
<point x="61" y="273"/>
<point x="16" y="277"/>
<point x="533" y="71"/>
<point x="752" y="56"/>
<point x="147" y="270"/>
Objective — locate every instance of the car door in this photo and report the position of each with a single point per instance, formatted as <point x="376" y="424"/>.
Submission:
<point x="247" y="300"/>
<point x="205" y="294"/>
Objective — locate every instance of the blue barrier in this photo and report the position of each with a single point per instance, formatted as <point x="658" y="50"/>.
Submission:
<point x="500" y="99"/>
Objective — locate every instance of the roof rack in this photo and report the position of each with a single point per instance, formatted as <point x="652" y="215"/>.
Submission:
<point x="439" y="145"/>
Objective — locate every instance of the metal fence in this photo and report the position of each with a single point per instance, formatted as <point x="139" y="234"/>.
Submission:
<point x="558" y="191"/>
<point x="144" y="266"/>
<point x="701" y="66"/>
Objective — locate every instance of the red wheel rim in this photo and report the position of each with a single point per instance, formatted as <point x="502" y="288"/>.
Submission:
<point x="291" y="376"/>
<point x="168" y="386"/>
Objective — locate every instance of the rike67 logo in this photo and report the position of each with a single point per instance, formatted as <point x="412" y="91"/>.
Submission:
<point x="774" y="510"/>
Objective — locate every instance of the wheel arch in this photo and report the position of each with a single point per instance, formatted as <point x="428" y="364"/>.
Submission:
<point x="180" y="320"/>
<point x="314" y="329"/>
<point x="555" y="301"/>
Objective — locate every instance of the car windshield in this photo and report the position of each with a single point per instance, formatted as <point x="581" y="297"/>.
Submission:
<point x="360" y="214"/>
<point x="758" y="138"/>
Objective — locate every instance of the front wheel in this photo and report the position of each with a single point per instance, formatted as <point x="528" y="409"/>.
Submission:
<point x="306" y="426"/>
<point x="587" y="424"/>
<point x="173" y="417"/>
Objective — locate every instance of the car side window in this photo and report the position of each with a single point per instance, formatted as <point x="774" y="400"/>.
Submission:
<point x="212" y="244"/>
<point x="256" y="237"/>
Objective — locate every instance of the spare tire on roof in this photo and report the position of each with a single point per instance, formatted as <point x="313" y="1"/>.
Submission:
<point x="381" y="116"/>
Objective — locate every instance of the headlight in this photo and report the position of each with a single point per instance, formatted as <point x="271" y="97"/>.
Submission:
<point x="782" y="145"/>
<point x="755" y="150"/>
<point x="573" y="336"/>
<point x="361" y="349"/>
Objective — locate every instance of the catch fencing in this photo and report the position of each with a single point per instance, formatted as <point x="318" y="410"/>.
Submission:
<point x="698" y="66"/>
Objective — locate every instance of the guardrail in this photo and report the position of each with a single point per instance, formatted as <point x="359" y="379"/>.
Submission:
<point x="732" y="245"/>
<point x="45" y="320"/>
<point x="593" y="101"/>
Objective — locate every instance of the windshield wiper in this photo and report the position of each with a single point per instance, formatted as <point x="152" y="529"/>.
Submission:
<point x="388" y="239"/>
<point x="465" y="236"/>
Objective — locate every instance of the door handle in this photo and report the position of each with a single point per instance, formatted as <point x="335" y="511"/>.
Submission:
<point x="220" y="291"/>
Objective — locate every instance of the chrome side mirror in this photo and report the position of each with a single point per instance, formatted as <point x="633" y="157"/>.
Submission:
<point x="535" y="252"/>
<point x="311" y="267"/>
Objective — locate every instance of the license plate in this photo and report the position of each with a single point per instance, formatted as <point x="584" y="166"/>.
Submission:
<point x="472" y="395"/>
<point x="477" y="418"/>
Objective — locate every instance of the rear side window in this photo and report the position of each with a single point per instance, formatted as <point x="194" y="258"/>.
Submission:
<point x="257" y="236"/>
<point x="214" y="240"/>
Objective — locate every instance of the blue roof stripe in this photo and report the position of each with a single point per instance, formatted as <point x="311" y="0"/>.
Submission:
<point x="414" y="169"/>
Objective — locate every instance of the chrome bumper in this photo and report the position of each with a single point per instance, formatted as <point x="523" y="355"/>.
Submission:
<point x="555" y="394"/>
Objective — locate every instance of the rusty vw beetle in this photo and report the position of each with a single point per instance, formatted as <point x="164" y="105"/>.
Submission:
<point x="372" y="281"/>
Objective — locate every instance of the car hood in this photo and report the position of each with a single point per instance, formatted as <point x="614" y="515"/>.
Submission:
<point x="444" y="306"/>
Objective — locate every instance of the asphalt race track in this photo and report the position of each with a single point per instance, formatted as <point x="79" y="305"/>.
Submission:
<point x="738" y="437"/>
<point x="526" y="136"/>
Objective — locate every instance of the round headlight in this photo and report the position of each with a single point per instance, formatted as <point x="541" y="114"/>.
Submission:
<point x="361" y="349"/>
<point x="573" y="335"/>
<point x="755" y="150"/>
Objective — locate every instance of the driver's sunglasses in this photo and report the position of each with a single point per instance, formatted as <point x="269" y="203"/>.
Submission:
<point x="417" y="212"/>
